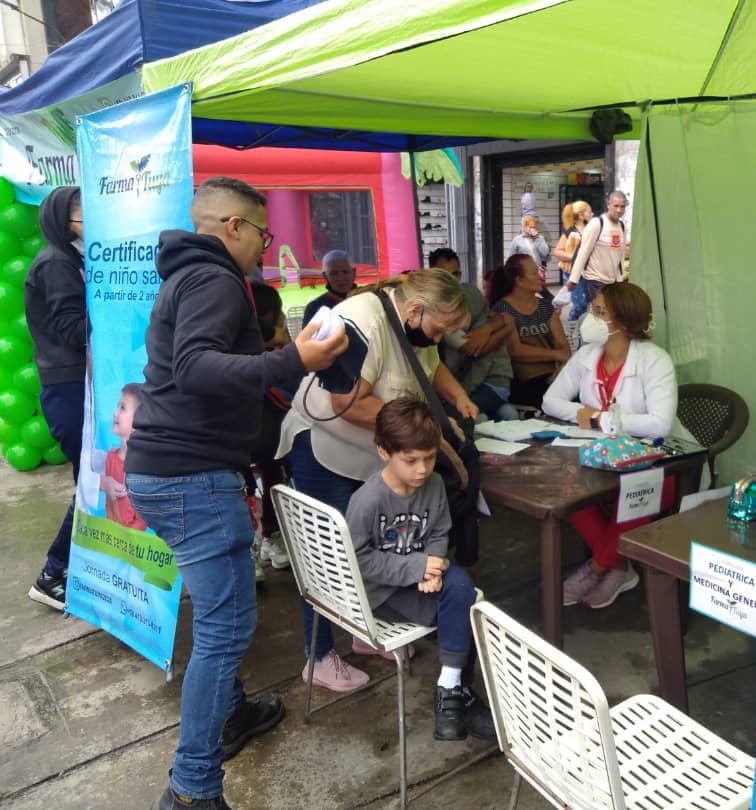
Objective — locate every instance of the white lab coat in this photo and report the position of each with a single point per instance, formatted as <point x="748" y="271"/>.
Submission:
<point x="646" y="391"/>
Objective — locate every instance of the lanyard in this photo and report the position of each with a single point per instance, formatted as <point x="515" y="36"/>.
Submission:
<point x="606" y="383"/>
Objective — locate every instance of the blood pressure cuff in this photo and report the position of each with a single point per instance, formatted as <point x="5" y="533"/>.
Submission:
<point x="343" y="375"/>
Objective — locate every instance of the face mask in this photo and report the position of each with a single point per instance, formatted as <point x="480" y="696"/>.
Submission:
<point x="78" y="244"/>
<point x="416" y="336"/>
<point x="594" y="330"/>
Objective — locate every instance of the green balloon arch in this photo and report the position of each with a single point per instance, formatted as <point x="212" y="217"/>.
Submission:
<point x="25" y="439"/>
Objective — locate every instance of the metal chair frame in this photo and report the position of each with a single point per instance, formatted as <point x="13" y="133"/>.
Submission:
<point x="555" y="727"/>
<point x="328" y="577"/>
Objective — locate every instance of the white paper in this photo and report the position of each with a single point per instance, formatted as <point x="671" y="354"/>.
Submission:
<point x="697" y="498"/>
<point x="560" y="442"/>
<point x="486" y="445"/>
<point x="640" y="494"/>
<point x="723" y="587"/>
<point x="513" y="431"/>
<point x="483" y="507"/>
<point x="576" y="432"/>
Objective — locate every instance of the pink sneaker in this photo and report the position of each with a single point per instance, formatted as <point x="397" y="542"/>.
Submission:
<point x="610" y="586"/>
<point x="359" y="647"/>
<point x="577" y="584"/>
<point x="335" y="674"/>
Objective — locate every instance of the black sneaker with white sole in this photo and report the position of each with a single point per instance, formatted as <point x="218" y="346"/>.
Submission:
<point x="50" y="591"/>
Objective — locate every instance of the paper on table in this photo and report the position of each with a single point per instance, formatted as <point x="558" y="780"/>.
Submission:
<point x="560" y="442"/>
<point x="576" y="432"/>
<point x="697" y="498"/>
<point x="502" y="448"/>
<point x="512" y="431"/>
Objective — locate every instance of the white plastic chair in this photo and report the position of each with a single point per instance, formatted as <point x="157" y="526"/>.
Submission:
<point x="328" y="577"/>
<point x="294" y="316"/>
<point x="555" y="727"/>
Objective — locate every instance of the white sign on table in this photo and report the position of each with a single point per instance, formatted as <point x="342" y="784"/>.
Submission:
<point x="640" y="494"/>
<point x="723" y="587"/>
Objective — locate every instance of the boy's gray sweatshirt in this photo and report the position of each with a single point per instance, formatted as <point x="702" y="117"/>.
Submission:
<point x="393" y="534"/>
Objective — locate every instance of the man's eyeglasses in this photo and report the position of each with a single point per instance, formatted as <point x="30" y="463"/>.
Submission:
<point x="76" y="220"/>
<point x="598" y="310"/>
<point x="267" y="236"/>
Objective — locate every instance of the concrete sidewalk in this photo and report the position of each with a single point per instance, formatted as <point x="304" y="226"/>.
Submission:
<point x="86" y="723"/>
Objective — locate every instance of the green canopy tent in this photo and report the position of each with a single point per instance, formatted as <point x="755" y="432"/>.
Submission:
<point x="684" y="69"/>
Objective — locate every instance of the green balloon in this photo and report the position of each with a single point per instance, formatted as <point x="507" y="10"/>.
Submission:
<point x="15" y="406"/>
<point x="7" y="193"/>
<point x="14" y="352"/>
<point x="9" y="434"/>
<point x="53" y="455"/>
<point x="33" y="244"/>
<point x="18" y="328"/>
<point x="22" y="457"/>
<point x="19" y="220"/>
<point x="9" y="246"/>
<point x="14" y="270"/>
<point x="11" y="300"/>
<point x="26" y="379"/>
<point x="6" y="379"/>
<point x="36" y="433"/>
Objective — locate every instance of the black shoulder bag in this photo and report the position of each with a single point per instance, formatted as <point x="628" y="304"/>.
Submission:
<point x="458" y="460"/>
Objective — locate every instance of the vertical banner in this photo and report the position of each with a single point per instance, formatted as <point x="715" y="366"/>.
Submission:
<point x="136" y="180"/>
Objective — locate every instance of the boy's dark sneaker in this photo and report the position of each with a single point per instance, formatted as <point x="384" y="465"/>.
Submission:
<point x="478" y="717"/>
<point x="450" y="714"/>
<point x="255" y="717"/>
<point x="172" y="801"/>
<point x="50" y="591"/>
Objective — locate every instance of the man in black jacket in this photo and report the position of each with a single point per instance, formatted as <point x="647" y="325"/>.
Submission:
<point x="56" y="315"/>
<point x="195" y="431"/>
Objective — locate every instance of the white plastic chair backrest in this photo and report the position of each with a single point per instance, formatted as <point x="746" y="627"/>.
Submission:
<point x="294" y="316"/>
<point x="552" y="717"/>
<point x="323" y="559"/>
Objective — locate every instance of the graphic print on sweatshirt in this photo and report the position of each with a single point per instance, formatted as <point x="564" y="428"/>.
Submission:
<point x="404" y="534"/>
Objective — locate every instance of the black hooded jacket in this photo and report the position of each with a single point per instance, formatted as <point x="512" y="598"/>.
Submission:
<point x="206" y="371"/>
<point x="54" y="296"/>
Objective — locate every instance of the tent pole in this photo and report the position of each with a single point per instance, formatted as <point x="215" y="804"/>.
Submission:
<point x="655" y="211"/>
<point x="416" y="206"/>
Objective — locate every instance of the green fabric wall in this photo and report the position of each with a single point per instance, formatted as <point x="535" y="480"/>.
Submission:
<point x="700" y="270"/>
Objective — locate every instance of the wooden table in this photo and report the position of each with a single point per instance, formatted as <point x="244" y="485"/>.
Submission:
<point x="663" y="548"/>
<point x="548" y="483"/>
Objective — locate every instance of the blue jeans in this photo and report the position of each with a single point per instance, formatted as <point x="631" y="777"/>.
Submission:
<point x="205" y="521"/>
<point x="63" y="408"/>
<point x="317" y="481"/>
<point x="492" y="404"/>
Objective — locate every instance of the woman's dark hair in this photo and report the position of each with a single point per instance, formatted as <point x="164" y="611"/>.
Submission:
<point x="630" y="307"/>
<point x="505" y="275"/>
<point x="406" y="423"/>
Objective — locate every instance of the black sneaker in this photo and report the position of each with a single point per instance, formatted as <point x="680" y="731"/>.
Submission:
<point x="478" y="717"/>
<point x="50" y="591"/>
<point x="172" y="801"/>
<point x="255" y="717"/>
<point x="450" y="714"/>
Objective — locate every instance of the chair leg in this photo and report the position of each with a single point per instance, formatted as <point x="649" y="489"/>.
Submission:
<point x="311" y="664"/>
<point x="402" y="732"/>
<point x="515" y="796"/>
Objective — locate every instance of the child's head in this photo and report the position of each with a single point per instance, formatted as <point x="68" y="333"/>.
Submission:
<point x="407" y="437"/>
<point x="269" y="309"/>
<point x="123" y="417"/>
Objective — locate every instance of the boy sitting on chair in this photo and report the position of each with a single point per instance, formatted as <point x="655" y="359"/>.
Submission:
<point x="399" y="522"/>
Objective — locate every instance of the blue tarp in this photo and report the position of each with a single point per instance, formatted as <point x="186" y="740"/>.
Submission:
<point x="137" y="31"/>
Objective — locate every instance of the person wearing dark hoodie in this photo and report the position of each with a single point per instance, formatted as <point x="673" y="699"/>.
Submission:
<point x="194" y="433"/>
<point x="56" y="314"/>
<point x="339" y="274"/>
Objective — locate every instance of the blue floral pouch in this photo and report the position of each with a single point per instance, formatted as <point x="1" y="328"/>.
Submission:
<point x="619" y="452"/>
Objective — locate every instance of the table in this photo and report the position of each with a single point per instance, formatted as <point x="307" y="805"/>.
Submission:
<point x="548" y="483"/>
<point x="663" y="548"/>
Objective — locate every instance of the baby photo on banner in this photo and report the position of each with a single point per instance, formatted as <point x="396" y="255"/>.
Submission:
<point x="136" y="180"/>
